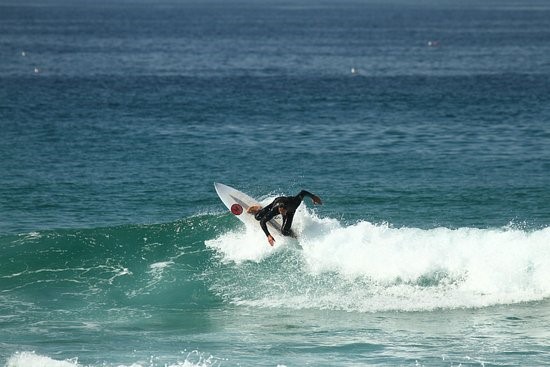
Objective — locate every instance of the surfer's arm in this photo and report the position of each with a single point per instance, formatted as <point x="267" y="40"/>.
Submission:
<point x="316" y="199"/>
<point x="267" y="214"/>
<point x="263" y="224"/>
<point x="274" y="210"/>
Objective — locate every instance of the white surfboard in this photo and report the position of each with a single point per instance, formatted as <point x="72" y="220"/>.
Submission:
<point x="238" y="202"/>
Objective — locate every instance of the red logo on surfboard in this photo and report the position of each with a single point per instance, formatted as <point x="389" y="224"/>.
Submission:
<point x="236" y="209"/>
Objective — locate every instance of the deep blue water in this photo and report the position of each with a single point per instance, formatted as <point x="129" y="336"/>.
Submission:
<point x="423" y="125"/>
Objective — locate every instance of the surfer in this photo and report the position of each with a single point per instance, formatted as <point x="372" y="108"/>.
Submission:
<point x="284" y="205"/>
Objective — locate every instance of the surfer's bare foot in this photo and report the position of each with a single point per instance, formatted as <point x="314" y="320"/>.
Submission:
<point x="253" y="209"/>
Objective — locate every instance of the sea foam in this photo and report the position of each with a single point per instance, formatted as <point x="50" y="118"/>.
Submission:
<point x="371" y="267"/>
<point x="31" y="359"/>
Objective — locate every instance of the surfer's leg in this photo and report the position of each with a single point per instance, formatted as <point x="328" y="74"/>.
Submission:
<point x="287" y="223"/>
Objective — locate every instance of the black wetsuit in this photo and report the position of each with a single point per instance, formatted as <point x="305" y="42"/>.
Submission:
<point x="290" y="203"/>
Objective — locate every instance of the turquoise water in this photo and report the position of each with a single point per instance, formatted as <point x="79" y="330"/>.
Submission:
<point x="432" y="157"/>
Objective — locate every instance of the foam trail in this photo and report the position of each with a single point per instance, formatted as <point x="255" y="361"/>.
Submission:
<point x="372" y="267"/>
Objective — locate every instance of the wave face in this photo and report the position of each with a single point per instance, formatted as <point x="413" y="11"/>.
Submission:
<point x="210" y="260"/>
<point x="105" y="267"/>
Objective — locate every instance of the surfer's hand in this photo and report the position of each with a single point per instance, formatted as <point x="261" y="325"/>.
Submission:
<point x="316" y="200"/>
<point x="271" y="240"/>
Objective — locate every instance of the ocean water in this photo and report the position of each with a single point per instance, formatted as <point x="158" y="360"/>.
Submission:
<point x="423" y="125"/>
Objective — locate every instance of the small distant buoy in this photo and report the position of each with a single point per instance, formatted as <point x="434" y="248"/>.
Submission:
<point x="36" y="70"/>
<point x="354" y="71"/>
<point x="236" y="209"/>
<point x="23" y="53"/>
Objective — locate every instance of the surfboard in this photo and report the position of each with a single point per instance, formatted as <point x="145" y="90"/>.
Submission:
<point x="238" y="203"/>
